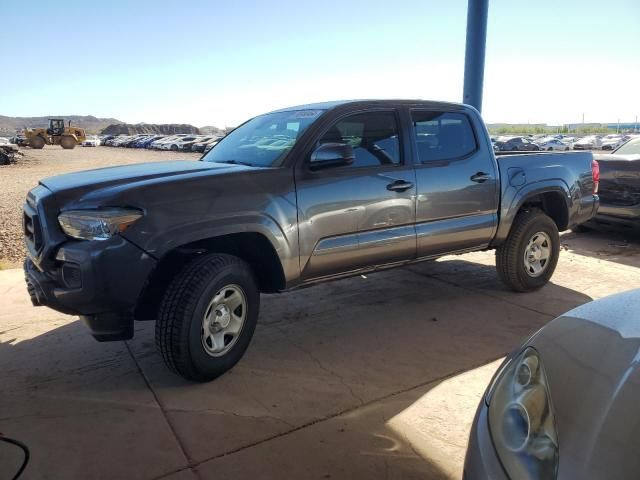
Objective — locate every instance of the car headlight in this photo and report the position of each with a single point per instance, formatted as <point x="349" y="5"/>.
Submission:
<point x="522" y="421"/>
<point x="97" y="224"/>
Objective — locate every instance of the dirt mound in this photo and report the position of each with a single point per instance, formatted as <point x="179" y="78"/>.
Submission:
<point x="164" y="129"/>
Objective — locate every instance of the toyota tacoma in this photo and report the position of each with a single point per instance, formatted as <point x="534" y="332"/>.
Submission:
<point x="290" y="198"/>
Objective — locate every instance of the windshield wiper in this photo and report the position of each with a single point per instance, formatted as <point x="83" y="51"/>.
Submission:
<point x="237" y="162"/>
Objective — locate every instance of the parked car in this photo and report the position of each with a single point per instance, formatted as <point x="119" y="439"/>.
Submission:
<point x="619" y="187"/>
<point x="145" y="142"/>
<point x="160" y="144"/>
<point x="132" y="142"/>
<point x="552" y="144"/>
<point x="210" y="145"/>
<point x="177" y="143"/>
<point x="91" y="141"/>
<point x="119" y="140"/>
<point x="564" y="404"/>
<point x="592" y="142"/>
<point x="202" y="145"/>
<point x="289" y="199"/>
<point x="611" y="142"/>
<point x="187" y="145"/>
<point x="513" y="144"/>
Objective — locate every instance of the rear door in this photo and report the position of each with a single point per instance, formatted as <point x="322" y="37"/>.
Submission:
<point x="362" y="214"/>
<point x="457" y="181"/>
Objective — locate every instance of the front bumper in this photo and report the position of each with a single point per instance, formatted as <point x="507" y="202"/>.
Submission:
<point x="481" y="461"/>
<point x="99" y="281"/>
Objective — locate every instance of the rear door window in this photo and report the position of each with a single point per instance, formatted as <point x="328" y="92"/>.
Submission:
<point x="442" y="135"/>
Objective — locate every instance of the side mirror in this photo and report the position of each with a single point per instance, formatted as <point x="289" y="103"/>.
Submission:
<point x="331" y="155"/>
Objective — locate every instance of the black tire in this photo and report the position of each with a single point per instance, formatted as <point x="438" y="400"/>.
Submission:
<point x="174" y="148"/>
<point x="37" y="142"/>
<point x="179" y="324"/>
<point x="510" y="255"/>
<point x="67" y="142"/>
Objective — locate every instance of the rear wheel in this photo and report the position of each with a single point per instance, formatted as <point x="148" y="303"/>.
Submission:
<point x="207" y="317"/>
<point x="527" y="259"/>
<point x="174" y="148"/>
<point x="37" y="142"/>
<point x="67" y="142"/>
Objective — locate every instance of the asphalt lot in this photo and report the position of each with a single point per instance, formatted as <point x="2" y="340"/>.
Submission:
<point x="374" y="377"/>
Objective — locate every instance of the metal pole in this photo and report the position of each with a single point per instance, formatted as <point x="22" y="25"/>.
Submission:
<point x="477" y="12"/>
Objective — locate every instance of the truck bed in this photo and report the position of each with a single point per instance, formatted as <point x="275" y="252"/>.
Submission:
<point x="522" y="174"/>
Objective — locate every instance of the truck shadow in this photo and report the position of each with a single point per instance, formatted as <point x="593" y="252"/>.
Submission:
<point x="354" y="371"/>
<point x="611" y="245"/>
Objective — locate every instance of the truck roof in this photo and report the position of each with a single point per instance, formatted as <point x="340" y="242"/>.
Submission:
<point x="369" y="102"/>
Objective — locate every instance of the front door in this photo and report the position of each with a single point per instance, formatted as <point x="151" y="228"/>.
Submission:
<point x="357" y="215"/>
<point x="458" y="188"/>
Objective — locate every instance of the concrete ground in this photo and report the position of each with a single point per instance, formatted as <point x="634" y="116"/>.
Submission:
<point x="374" y="377"/>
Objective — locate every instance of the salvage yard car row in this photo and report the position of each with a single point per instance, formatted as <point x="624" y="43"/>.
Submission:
<point x="559" y="142"/>
<point x="183" y="142"/>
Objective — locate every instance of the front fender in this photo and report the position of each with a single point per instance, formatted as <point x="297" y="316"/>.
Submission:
<point x="282" y="238"/>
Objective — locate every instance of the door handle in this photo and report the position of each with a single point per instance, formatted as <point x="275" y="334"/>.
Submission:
<point x="480" y="177"/>
<point x="399" y="186"/>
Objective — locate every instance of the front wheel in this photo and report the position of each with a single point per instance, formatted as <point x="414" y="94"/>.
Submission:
<point x="37" y="142"/>
<point x="207" y="317"/>
<point x="67" y="142"/>
<point x="527" y="259"/>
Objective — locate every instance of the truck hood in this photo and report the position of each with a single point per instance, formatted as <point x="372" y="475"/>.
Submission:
<point x="592" y="360"/>
<point x="110" y="176"/>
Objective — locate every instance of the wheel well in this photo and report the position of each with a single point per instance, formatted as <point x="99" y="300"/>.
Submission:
<point x="553" y="204"/>
<point x="253" y="248"/>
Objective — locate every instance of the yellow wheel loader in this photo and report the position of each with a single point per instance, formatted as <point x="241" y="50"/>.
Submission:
<point x="57" y="134"/>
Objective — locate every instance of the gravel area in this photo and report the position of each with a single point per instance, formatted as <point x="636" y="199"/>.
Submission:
<point x="16" y="180"/>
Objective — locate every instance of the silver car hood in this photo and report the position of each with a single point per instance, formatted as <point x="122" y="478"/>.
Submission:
<point x="592" y="359"/>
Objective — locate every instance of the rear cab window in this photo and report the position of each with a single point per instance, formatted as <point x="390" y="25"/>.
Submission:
<point x="442" y="135"/>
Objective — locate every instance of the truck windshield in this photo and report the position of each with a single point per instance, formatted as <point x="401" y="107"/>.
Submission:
<point x="263" y="141"/>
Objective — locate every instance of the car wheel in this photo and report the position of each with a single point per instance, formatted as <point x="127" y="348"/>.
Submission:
<point x="550" y="149"/>
<point x="528" y="257"/>
<point x="174" y="148"/>
<point x="207" y="317"/>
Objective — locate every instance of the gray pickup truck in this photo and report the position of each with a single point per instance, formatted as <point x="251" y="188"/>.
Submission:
<point x="290" y="198"/>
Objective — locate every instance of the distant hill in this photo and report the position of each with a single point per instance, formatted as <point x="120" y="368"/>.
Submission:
<point x="210" y="130"/>
<point x="9" y="125"/>
<point x="164" y="129"/>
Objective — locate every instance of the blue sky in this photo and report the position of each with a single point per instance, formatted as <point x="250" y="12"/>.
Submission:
<point x="214" y="63"/>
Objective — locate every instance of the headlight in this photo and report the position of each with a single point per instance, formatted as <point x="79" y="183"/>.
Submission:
<point x="97" y="224"/>
<point x="522" y="421"/>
